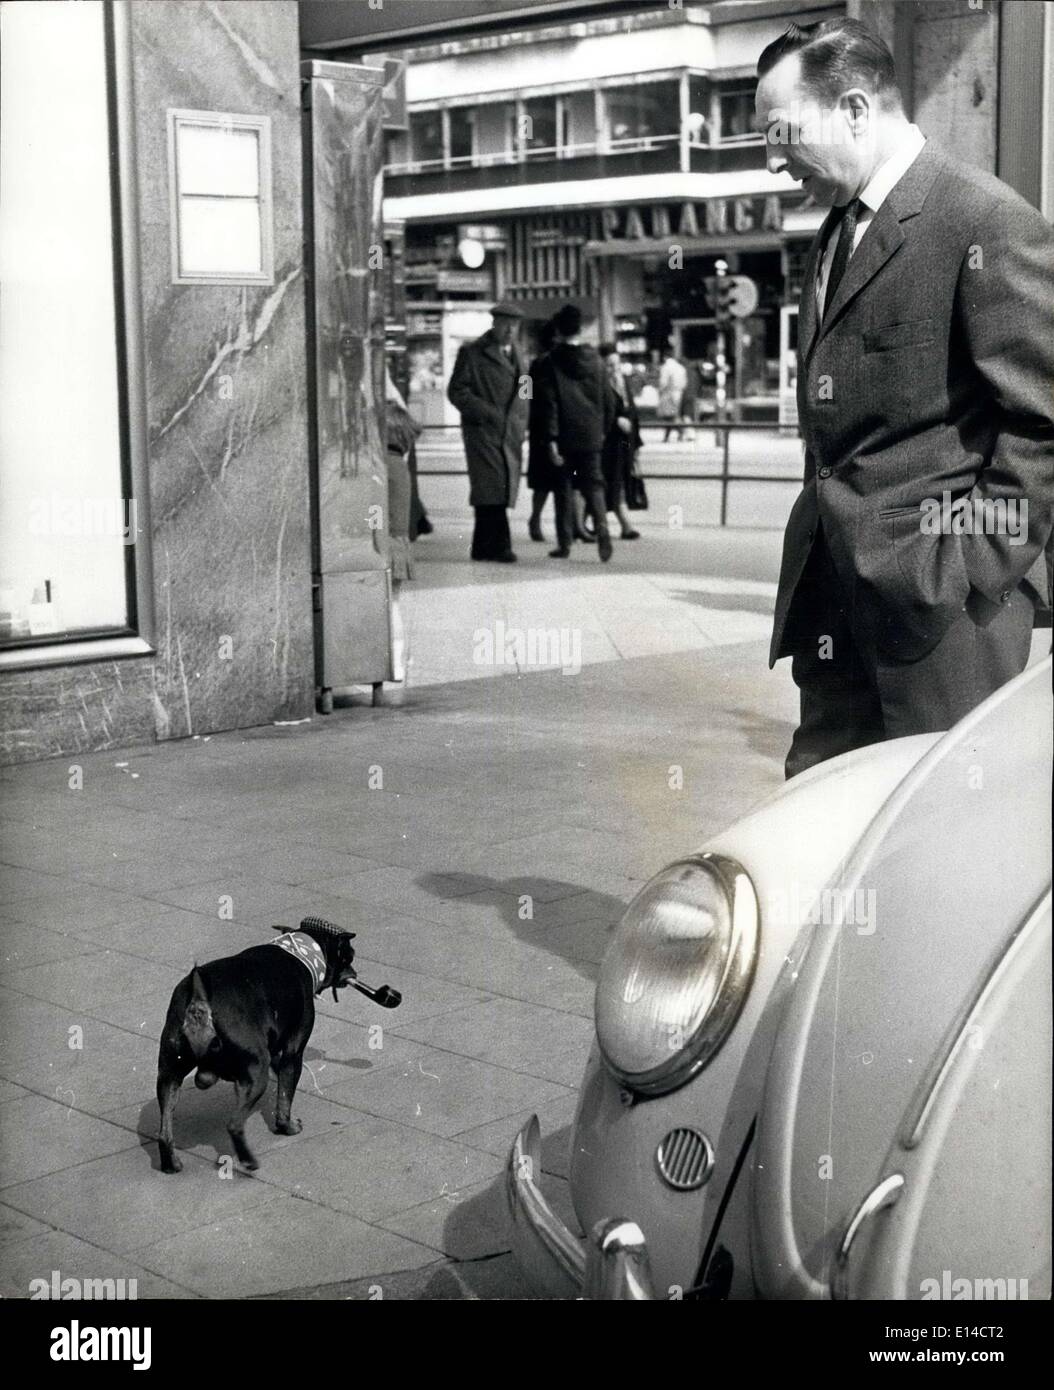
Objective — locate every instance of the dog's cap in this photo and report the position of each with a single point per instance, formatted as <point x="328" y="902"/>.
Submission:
<point x="319" y="924"/>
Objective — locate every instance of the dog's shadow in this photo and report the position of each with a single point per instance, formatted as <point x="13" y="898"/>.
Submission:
<point x="200" y="1122"/>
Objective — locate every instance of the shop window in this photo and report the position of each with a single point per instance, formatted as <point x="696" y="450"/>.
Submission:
<point x="737" y="114"/>
<point x="219" y="176"/>
<point x="641" y="116"/>
<point x="462" y="133"/>
<point x="68" y="525"/>
<point x="426" y="137"/>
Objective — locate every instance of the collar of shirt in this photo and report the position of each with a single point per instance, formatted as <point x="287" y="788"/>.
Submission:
<point x="881" y="184"/>
<point x="890" y="172"/>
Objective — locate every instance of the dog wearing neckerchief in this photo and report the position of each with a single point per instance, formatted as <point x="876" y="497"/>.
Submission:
<point x="234" y="1018"/>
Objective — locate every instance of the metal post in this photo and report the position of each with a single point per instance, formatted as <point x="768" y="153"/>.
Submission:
<point x="724" y="476"/>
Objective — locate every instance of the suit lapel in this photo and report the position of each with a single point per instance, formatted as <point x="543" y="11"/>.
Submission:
<point x="807" y="309"/>
<point x="886" y="234"/>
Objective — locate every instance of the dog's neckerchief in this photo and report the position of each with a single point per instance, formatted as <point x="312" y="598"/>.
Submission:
<point x="307" y="951"/>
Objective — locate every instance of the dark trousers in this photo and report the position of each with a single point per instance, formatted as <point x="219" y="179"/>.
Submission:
<point x="853" y="693"/>
<point x="491" y="537"/>
<point x="417" y="507"/>
<point x="582" y="472"/>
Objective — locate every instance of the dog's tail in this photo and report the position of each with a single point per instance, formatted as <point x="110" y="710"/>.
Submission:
<point x="199" y="1028"/>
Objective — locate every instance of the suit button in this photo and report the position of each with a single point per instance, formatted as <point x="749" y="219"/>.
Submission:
<point x="825" y="472"/>
<point x="1004" y="597"/>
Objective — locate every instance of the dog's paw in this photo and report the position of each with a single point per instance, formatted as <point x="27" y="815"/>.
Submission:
<point x="172" y="1166"/>
<point x="250" y="1163"/>
<point x="289" y="1126"/>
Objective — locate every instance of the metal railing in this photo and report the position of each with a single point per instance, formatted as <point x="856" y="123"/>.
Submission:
<point x="722" y="429"/>
<point x="631" y="144"/>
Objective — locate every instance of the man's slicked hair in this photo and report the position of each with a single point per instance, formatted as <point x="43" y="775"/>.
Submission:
<point x="836" y="55"/>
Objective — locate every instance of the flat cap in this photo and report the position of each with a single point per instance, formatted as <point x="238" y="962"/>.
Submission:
<point x="507" y="310"/>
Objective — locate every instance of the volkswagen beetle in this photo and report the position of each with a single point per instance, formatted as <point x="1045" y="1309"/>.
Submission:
<point x="821" y="1065"/>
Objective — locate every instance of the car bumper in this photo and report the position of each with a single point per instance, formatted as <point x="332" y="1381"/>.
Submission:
<point x="611" y="1264"/>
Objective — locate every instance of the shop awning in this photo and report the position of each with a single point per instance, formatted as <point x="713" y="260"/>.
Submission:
<point x="672" y="187"/>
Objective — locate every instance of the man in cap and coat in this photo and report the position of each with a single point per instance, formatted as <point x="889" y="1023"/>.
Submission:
<point x="488" y="388"/>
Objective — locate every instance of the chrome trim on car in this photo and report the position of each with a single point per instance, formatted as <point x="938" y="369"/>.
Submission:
<point x="732" y="991"/>
<point x="534" y="1222"/>
<point x="884" y="1195"/>
<point x="617" y="1264"/>
<point x="914" y="1126"/>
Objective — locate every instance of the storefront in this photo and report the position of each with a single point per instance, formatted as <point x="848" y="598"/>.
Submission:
<point x="640" y="271"/>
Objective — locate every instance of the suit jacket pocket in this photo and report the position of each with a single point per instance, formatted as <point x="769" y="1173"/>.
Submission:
<point x="926" y="585"/>
<point x="911" y="333"/>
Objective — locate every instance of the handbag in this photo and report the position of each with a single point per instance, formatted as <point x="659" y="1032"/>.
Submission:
<point x="636" y="492"/>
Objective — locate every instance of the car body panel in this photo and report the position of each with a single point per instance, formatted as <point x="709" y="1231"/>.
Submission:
<point x="957" y="860"/>
<point x="798" y="836"/>
<point x="981" y="1138"/>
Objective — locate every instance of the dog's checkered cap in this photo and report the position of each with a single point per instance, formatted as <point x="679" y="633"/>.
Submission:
<point x="324" y="928"/>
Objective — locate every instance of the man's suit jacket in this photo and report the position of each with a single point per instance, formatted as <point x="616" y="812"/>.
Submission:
<point x="932" y="372"/>
<point x="486" y="386"/>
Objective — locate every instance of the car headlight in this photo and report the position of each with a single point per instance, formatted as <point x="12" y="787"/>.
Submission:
<point x="676" y="973"/>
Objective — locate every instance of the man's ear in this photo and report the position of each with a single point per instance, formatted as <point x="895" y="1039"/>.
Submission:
<point x="859" y="106"/>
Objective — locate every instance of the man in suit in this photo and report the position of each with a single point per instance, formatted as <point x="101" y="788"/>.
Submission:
<point x="913" y="557"/>
<point x="489" y="387"/>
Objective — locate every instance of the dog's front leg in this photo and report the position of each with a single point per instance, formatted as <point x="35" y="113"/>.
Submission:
<point x="288" y="1078"/>
<point x="248" y="1093"/>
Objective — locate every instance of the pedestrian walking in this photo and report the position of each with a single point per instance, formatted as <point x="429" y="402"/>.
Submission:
<point x="925" y="362"/>
<point x="621" y="444"/>
<point x="577" y="408"/>
<point x="488" y="387"/>
<point x="673" y="378"/>
<point x="541" y="472"/>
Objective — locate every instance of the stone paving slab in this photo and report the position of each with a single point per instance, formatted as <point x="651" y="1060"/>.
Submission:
<point x="517" y="816"/>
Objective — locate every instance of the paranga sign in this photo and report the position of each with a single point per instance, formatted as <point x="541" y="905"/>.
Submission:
<point x="712" y="217"/>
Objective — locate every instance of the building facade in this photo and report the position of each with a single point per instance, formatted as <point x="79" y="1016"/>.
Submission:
<point x="190" y="380"/>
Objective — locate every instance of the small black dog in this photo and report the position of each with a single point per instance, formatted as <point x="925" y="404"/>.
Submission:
<point x="234" y="1017"/>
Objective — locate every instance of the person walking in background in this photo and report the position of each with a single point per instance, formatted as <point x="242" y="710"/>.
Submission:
<point x="621" y="444"/>
<point x="401" y="430"/>
<point x="672" y="380"/>
<point x="925" y="363"/>
<point x="541" y="474"/>
<point x="576" y="409"/>
<point x="487" y="387"/>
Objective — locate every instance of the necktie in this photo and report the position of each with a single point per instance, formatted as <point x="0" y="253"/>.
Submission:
<point x="846" y="237"/>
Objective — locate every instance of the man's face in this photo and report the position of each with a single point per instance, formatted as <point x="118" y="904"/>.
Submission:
<point x="503" y="329"/>
<point x="827" y="147"/>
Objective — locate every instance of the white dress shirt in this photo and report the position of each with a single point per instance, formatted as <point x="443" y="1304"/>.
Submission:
<point x="883" y="181"/>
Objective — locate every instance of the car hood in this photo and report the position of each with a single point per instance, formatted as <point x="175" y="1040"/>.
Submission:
<point x="950" y="867"/>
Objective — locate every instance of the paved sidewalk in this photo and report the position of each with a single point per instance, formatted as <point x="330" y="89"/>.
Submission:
<point x="481" y="837"/>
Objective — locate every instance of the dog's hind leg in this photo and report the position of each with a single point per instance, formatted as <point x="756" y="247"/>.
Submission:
<point x="171" y="1070"/>
<point x="288" y="1077"/>
<point x="248" y="1093"/>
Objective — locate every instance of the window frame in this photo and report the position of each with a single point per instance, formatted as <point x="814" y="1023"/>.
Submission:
<point x="137" y="637"/>
<point x="223" y="120"/>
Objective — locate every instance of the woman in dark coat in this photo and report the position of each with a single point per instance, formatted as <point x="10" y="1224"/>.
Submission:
<point x="540" y="471"/>
<point x="621" y="445"/>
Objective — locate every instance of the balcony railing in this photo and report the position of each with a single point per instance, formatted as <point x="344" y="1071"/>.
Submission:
<point x="633" y="144"/>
